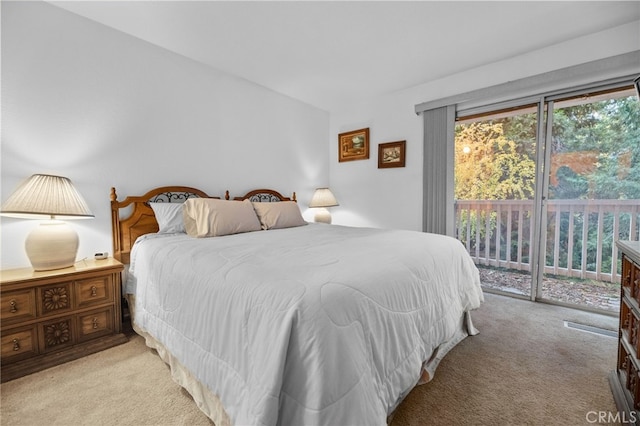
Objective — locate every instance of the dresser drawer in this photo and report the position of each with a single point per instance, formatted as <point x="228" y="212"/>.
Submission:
<point x="19" y="305"/>
<point x="55" y="299"/>
<point x="95" y="324"/>
<point x="19" y="343"/>
<point x="94" y="291"/>
<point x="57" y="334"/>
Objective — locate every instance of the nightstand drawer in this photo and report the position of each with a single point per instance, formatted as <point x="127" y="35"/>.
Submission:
<point x="94" y="291"/>
<point x="19" y="344"/>
<point x="18" y="306"/>
<point x="55" y="299"/>
<point x="57" y="334"/>
<point x="94" y="324"/>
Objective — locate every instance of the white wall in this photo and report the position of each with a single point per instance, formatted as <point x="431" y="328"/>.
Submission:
<point x="106" y="109"/>
<point x="392" y="198"/>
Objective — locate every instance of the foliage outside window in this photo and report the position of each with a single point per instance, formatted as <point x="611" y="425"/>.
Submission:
<point x="595" y="148"/>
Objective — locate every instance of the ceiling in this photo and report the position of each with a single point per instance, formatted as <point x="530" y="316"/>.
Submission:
<point x="326" y="53"/>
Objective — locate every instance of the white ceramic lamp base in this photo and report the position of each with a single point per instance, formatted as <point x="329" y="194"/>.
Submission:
<point x="322" y="216"/>
<point x="52" y="245"/>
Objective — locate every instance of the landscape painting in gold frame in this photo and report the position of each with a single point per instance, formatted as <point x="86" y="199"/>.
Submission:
<point x="353" y="145"/>
<point x="391" y="154"/>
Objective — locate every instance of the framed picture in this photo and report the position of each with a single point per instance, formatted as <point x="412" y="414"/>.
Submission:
<point x="353" y="145"/>
<point x="391" y="154"/>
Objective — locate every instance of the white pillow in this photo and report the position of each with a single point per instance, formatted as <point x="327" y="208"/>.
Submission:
<point x="169" y="217"/>
<point x="206" y="217"/>
<point x="281" y="214"/>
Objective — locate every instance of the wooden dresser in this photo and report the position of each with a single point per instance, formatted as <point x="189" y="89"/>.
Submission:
<point x="625" y="380"/>
<point x="51" y="317"/>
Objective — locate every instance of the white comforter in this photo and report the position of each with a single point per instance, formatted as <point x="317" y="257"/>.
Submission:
<point x="319" y="324"/>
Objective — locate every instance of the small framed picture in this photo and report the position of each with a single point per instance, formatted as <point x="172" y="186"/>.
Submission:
<point x="391" y="154"/>
<point x="353" y="145"/>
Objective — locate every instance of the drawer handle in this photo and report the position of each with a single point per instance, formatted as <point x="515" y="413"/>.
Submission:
<point x="95" y="322"/>
<point x="94" y="291"/>
<point x="14" y="306"/>
<point x="16" y="345"/>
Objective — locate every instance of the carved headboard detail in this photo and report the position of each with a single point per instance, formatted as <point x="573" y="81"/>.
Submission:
<point x="142" y="221"/>
<point x="264" y="196"/>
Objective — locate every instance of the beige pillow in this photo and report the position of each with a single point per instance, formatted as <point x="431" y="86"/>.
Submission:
<point x="280" y="214"/>
<point x="206" y="217"/>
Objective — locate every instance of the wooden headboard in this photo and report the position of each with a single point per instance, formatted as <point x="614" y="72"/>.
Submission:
<point x="264" y="195"/>
<point x="141" y="221"/>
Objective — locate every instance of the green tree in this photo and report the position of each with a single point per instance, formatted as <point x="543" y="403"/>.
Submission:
<point x="491" y="165"/>
<point x="495" y="160"/>
<point x="610" y="128"/>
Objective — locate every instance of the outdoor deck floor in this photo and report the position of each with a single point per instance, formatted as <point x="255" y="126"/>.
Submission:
<point x="589" y="293"/>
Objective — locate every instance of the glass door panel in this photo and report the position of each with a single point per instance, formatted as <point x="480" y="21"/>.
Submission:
<point x="495" y="177"/>
<point x="593" y="197"/>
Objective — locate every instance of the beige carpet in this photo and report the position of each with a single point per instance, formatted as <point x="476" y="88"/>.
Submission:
<point x="524" y="368"/>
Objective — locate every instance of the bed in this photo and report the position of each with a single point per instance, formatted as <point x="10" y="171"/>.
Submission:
<point x="277" y="321"/>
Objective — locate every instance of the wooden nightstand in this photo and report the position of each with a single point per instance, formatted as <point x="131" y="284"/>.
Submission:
<point x="51" y="317"/>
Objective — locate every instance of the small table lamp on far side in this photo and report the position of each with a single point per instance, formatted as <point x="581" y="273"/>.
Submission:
<point x="53" y="244"/>
<point x="322" y="199"/>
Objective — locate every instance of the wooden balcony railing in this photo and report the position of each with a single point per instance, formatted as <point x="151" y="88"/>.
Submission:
<point x="579" y="242"/>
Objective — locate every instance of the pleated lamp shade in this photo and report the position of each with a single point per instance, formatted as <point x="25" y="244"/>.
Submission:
<point x="53" y="244"/>
<point x="321" y="199"/>
<point x="44" y="197"/>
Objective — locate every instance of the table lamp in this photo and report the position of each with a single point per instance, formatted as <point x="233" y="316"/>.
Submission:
<point x="322" y="199"/>
<point x="53" y="244"/>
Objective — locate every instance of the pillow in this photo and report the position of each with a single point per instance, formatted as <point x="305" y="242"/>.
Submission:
<point x="206" y="217"/>
<point x="169" y="217"/>
<point x="281" y="214"/>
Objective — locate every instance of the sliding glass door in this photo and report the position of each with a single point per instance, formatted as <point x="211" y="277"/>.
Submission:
<point x="495" y="180"/>
<point x="592" y="195"/>
<point x="543" y="190"/>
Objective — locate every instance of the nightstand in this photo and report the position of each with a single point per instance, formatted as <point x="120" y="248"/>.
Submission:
<point x="51" y="317"/>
